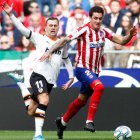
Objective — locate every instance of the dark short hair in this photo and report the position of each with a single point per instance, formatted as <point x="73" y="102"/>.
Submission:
<point x="52" y="18"/>
<point x="96" y="9"/>
<point x="116" y="1"/>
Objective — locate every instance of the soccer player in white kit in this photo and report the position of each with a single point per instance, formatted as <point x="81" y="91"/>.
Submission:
<point x="45" y="73"/>
<point x="90" y="41"/>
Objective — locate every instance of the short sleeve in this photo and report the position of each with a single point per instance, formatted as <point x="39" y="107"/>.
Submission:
<point x="77" y="32"/>
<point x="108" y="33"/>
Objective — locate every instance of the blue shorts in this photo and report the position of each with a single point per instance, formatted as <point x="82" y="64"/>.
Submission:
<point x="86" y="77"/>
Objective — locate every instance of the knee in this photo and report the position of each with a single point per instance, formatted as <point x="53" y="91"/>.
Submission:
<point x="43" y="99"/>
<point x="99" y="87"/>
<point x="31" y="113"/>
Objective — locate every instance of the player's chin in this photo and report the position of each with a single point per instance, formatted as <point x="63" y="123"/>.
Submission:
<point x="53" y="34"/>
<point x="97" y="27"/>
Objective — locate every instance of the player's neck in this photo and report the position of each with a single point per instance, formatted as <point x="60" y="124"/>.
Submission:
<point x="52" y="37"/>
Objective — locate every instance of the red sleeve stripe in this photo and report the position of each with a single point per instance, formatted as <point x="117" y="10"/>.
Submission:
<point x="79" y="49"/>
<point x="84" y="50"/>
<point x="97" y="51"/>
<point x="108" y="35"/>
<point x="91" y="50"/>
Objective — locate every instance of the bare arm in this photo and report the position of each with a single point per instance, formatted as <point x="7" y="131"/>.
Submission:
<point x="16" y="22"/>
<point x="122" y="40"/>
<point x="59" y="44"/>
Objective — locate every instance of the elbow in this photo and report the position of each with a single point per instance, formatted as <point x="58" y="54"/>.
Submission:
<point x="122" y="42"/>
<point x="65" y="41"/>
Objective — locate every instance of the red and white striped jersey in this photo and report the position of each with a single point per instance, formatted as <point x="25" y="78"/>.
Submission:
<point x="90" y="46"/>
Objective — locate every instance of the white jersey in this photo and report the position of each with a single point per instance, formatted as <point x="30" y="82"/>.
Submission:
<point x="49" y="68"/>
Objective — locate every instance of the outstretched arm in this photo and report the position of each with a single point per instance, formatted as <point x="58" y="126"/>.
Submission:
<point x="122" y="40"/>
<point x="8" y="9"/>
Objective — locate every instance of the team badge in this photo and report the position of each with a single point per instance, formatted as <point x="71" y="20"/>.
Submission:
<point x="40" y="90"/>
<point x="101" y="33"/>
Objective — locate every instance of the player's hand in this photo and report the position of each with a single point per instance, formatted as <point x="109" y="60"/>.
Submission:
<point x="68" y="84"/>
<point x="46" y="55"/>
<point x="133" y="31"/>
<point x="7" y="8"/>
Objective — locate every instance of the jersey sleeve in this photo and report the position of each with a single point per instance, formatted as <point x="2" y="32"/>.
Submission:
<point x="24" y="31"/>
<point x="108" y="33"/>
<point x="77" y="32"/>
<point x="34" y="37"/>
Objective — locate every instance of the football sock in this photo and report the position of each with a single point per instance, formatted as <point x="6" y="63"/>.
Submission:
<point x="25" y="94"/>
<point x="74" y="107"/>
<point x="39" y="119"/>
<point x="63" y="122"/>
<point x="94" y="101"/>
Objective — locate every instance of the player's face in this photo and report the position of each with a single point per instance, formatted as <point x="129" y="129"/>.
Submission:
<point x="96" y="21"/>
<point x="52" y="28"/>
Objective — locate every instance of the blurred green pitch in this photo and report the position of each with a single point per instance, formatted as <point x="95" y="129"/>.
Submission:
<point x="68" y="135"/>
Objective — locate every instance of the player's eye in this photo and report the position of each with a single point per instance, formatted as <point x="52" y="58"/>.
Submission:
<point x="55" y="26"/>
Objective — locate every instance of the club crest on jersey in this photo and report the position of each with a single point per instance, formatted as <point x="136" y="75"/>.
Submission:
<point x="98" y="45"/>
<point x="40" y="90"/>
<point x="101" y="33"/>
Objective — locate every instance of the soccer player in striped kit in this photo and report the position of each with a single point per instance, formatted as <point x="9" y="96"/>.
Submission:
<point x="45" y="73"/>
<point x="90" y="39"/>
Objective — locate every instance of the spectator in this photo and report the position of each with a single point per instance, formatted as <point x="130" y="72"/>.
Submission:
<point x="86" y="4"/>
<point x="9" y="30"/>
<point x="58" y="12"/>
<point x="138" y="27"/>
<point x="35" y="23"/>
<point x="65" y="4"/>
<point x="72" y="21"/>
<point x="26" y="5"/>
<point x="51" y="5"/>
<point x="135" y="10"/>
<point x="26" y="45"/>
<point x="5" y="43"/>
<point x="113" y="19"/>
<point x="126" y="24"/>
<point x="134" y="59"/>
<point x="34" y="15"/>
<point x="106" y="4"/>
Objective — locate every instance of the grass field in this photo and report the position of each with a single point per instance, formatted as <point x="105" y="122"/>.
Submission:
<point x="68" y="135"/>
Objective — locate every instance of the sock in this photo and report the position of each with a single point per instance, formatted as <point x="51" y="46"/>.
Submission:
<point x="63" y="122"/>
<point x="74" y="107"/>
<point x="39" y="119"/>
<point x="94" y="101"/>
<point x="25" y="94"/>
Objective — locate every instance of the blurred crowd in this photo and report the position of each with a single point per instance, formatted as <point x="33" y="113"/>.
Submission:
<point x="120" y="16"/>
